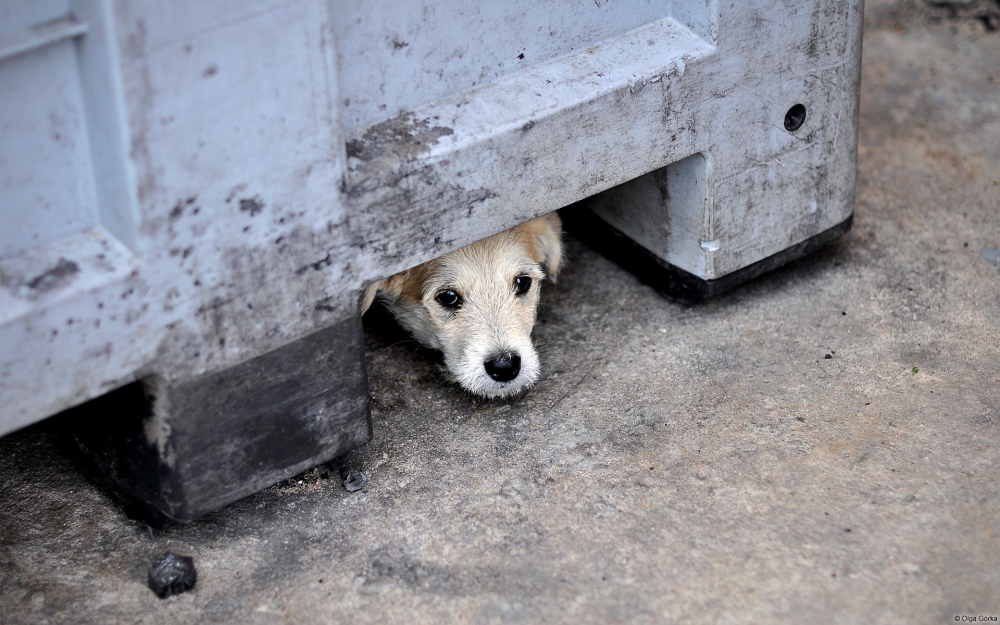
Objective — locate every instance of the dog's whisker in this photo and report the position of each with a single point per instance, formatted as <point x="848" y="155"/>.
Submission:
<point x="401" y="342"/>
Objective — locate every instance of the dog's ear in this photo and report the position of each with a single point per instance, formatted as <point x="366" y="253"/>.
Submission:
<point x="547" y="234"/>
<point x="367" y="297"/>
<point x="388" y="289"/>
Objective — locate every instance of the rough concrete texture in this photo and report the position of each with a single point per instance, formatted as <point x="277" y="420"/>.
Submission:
<point x="817" y="446"/>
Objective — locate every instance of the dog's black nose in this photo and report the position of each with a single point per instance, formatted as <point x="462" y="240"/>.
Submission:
<point x="504" y="367"/>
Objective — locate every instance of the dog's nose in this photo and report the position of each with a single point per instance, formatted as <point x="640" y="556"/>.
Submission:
<point x="504" y="367"/>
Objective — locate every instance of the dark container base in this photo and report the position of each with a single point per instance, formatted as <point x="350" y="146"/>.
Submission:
<point x="671" y="281"/>
<point x="172" y="453"/>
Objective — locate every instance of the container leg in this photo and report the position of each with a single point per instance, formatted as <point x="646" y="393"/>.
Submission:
<point x="671" y="281"/>
<point x="169" y="453"/>
<point x="692" y="232"/>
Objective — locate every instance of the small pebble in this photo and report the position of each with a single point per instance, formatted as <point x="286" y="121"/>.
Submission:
<point x="172" y="574"/>
<point x="354" y="480"/>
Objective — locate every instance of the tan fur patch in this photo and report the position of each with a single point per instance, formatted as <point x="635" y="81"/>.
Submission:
<point x="486" y="336"/>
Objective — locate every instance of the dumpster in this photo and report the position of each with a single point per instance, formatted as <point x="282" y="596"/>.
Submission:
<point x="194" y="194"/>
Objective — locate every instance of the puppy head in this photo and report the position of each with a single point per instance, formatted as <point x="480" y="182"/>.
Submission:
<point x="477" y="305"/>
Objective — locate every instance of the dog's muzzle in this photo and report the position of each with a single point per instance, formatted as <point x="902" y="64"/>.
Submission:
<point x="503" y="367"/>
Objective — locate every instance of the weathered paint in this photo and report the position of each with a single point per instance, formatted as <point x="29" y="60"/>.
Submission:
<point x="245" y="207"/>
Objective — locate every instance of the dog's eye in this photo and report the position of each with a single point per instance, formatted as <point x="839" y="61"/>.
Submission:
<point x="449" y="299"/>
<point x="522" y="284"/>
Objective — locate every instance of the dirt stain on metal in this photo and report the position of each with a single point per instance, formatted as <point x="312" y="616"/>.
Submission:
<point x="54" y="278"/>
<point x="403" y="136"/>
<point x="251" y="205"/>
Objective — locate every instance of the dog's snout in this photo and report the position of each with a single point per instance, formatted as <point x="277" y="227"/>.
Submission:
<point x="504" y="367"/>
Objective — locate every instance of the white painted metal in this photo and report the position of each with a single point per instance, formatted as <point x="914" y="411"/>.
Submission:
<point x="186" y="185"/>
<point x="396" y="57"/>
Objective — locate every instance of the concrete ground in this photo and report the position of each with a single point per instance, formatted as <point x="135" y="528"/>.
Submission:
<point x="820" y="445"/>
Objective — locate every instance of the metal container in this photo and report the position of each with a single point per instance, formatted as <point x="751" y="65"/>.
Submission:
<point x="196" y="192"/>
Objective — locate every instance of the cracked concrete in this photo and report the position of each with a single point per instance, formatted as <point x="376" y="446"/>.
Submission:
<point x="819" y="445"/>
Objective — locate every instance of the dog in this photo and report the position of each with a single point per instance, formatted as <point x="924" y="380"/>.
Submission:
<point x="477" y="305"/>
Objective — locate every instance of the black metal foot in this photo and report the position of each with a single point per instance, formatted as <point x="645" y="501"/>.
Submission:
<point x="673" y="282"/>
<point x="171" y="453"/>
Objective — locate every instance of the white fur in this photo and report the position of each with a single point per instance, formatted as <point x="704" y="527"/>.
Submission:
<point x="492" y="318"/>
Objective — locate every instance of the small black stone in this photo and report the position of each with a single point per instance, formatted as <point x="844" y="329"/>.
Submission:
<point x="350" y="473"/>
<point x="171" y="575"/>
<point x="828" y="356"/>
<point x="354" y="480"/>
